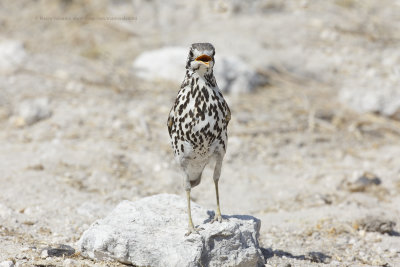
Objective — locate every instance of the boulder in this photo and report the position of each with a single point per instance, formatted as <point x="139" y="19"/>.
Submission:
<point x="232" y="73"/>
<point x="151" y="232"/>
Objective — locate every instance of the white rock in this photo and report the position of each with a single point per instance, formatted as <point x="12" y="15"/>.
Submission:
<point x="44" y="254"/>
<point x="168" y="63"/>
<point x="384" y="100"/>
<point x="234" y="75"/>
<point x="12" y="54"/>
<point x="374" y="87"/>
<point x="151" y="232"/>
<point x="32" y="111"/>
<point x="6" y="264"/>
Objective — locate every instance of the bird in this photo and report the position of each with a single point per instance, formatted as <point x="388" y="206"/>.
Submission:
<point x="197" y="124"/>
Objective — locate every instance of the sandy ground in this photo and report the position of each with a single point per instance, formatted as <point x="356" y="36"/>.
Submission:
<point x="295" y="154"/>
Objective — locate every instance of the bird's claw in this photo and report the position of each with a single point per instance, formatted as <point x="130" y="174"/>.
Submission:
<point x="217" y="218"/>
<point x="194" y="230"/>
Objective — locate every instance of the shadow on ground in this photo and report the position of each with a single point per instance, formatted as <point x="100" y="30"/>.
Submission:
<point x="268" y="253"/>
<point x="211" y="215"/>
<point x="314" y="256"/>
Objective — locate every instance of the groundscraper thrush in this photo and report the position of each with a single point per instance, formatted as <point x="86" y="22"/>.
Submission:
<point x="198" y="121"/>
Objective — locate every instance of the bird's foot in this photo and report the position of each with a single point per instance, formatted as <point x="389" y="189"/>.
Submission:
<point x="217" y="218"/>
<point x="194" y="230"/>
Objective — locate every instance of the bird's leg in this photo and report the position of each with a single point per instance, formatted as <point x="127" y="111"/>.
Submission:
<point x="218" y="216"/>
<point x="191" y="228"/>
<point x="217" y="173"/>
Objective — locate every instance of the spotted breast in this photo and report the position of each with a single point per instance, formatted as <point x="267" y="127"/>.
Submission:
<point x="199" y="118"/>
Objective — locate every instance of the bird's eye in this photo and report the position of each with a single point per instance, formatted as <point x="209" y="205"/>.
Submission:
<point x="204" y="58"/>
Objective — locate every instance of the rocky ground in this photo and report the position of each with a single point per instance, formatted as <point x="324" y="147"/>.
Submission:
<point x="80" y="132"/>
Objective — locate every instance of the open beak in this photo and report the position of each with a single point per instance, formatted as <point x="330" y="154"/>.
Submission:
<point x="204" y="59"/>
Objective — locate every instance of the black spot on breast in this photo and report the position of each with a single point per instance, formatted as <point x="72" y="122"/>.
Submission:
<point x="215" y="127"/>
<point x="205" y="93"/>
<point x="184" y="83"/>
<point x="180" y="110"/>
<point x="203" y="111"/>
<point x="201" y="139"/>
<point x="193" y="90"/>
<point x="220" y="106"/>
<point x="188" y="136"/>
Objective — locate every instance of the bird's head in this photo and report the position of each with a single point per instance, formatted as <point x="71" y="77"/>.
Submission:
<point x="201" y="57"/>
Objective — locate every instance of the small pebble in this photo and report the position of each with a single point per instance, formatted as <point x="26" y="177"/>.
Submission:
<point x="60" y="251"/>
<point x="44" y="254"/>
<point x="365" y="181"/>
<point x="377" y="224"/>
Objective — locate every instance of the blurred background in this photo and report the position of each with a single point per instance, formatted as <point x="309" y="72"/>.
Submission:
<point x="314" y="90"/>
